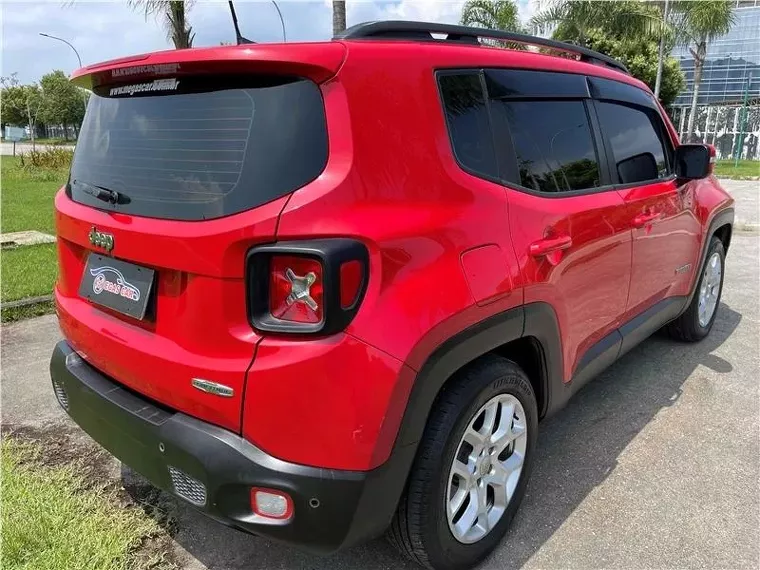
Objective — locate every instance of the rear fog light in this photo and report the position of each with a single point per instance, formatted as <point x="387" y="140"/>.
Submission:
<point x="271" y="504"/>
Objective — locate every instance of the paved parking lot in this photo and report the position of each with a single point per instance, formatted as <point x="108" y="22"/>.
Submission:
<point x="655" y="464"/>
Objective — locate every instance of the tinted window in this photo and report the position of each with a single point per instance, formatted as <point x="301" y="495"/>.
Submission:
<point x="608" y="89"/>
<point x="553" y="143"/>
<point x="636" y="147"/>
<point x="204" y="148"/>
<point x="503" y="83"/>
<point x="467" y="120"/>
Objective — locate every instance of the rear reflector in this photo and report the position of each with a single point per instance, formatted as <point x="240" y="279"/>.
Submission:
<point x="271" y="504"/>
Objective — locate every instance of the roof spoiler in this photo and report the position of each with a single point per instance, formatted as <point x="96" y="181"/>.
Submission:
<point x="423" y="31"/>
<point x="318" y="62"/>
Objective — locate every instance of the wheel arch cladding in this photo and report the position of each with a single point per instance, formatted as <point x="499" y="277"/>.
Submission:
<point x="528" y="353"/>
<point x="528" y="335"/>
<point x="723" y="233"/>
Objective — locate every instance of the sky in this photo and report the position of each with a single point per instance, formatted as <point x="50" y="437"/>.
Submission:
<point x="107" y="30"/>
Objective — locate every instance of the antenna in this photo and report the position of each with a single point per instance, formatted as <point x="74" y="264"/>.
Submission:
<point x="240" y="39"/>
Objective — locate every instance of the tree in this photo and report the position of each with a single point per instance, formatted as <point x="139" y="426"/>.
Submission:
<point x="173" y="13"/>
<point x="493" y="14"/>
<point x="697" y="23"/>
<point x="640" y="56"/>
<point x="663" y="39"/>
<point x="63" y="103"/>
<point x="19" y="104"/>
<point x="339" y="16"/>
<point x="574" y="20"/>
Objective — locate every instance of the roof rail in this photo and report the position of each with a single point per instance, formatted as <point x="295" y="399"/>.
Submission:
<point x="423" y="31"/>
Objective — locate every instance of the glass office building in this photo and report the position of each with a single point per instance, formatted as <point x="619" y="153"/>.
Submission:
<point x="732" y="69"/>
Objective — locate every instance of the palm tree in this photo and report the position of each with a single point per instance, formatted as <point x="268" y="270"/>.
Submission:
<point x="339" y="16"/>
<point x="663" y="6"/>
<point x="697" y="23"/>
<point x="495" y="15"/>
<point x="572" y="20"/>
<point x="173" y="13"/>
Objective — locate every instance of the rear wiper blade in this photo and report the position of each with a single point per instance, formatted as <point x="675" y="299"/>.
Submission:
<point x="101" y="192"/>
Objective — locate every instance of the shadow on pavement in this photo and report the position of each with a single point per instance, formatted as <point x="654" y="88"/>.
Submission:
<point x="578" y="449"/>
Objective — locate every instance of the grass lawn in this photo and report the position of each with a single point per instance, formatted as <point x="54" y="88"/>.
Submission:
<point x="745" y="168"/>
<point x="27" y="199"/>
<point x="53" y="517"/>
<point x="28" y="271"/>
<point x="27" y="204"/>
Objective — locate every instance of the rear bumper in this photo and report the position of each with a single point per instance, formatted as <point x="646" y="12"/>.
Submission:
<point x="353" y="506"/>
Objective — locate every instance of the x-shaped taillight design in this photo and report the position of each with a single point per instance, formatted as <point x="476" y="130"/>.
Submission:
<point x="300" y="288"/>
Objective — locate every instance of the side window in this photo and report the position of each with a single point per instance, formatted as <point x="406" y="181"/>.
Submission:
<point x="638" y="151"/>
<point x="553" y="143"/>
<point x="468" y="123"/>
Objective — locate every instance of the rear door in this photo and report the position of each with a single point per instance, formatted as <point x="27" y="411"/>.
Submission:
<point x="173" y="180"/>
<point x="568" y="225"/>
<point x="666" y="231"/>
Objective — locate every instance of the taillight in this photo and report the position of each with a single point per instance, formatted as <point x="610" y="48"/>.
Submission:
<point x="306" y="286"/>
<point x="351" y="275"/>
<point x="295" y="289"/>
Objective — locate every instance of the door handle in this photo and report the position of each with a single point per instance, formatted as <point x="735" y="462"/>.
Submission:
<point x="643" y="219"/>
<point x="548" y="245"/>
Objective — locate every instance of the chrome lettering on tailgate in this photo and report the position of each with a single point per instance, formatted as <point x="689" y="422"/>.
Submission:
<point x="101" y="239"/>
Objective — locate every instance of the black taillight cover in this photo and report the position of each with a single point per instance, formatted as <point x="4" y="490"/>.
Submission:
<point x="331" y="253"/>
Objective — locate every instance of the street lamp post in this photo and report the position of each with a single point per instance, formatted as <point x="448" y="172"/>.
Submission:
<point x="282" y="21"/>
<point x="67" y="43"/>
<point x="79" y="59"/>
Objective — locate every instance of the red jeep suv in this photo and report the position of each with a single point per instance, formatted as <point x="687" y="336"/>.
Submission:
<point x="323" y="291"/>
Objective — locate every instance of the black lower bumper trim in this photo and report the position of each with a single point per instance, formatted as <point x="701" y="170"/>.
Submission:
<point x="352" y="506"/>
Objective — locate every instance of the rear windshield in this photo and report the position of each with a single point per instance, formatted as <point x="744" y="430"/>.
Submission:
<point x="198" y="148"/>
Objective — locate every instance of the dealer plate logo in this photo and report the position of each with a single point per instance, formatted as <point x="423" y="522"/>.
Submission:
<point x="116" y="285"/>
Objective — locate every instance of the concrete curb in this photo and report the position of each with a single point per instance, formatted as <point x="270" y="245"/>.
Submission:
<point x="741" y="178"/>
<point x="28" y="302"/>
<point x="747" y="227"/>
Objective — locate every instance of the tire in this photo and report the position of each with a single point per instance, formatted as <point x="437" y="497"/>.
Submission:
<point x="688" y="327"/>
<point x="421" y="529"/>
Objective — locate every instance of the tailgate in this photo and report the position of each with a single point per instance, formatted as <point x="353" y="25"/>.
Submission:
<point x="196" y="324"/>
<point x="184" y="162"/>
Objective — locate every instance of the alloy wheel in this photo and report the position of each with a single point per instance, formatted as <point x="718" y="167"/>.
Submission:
<point x="709" y="290"/>
<point x="486" y="468"/>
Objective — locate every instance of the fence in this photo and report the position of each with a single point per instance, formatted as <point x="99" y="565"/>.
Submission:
<point x="721" y="126"/>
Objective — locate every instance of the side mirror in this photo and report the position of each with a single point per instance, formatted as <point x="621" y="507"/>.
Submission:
<point x="693" y="161"/>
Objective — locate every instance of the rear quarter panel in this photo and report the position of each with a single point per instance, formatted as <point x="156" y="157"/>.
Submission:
<point x="400" y="191"/>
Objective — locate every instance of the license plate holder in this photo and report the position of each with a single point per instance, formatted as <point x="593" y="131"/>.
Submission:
<point x="118" y="285"/>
